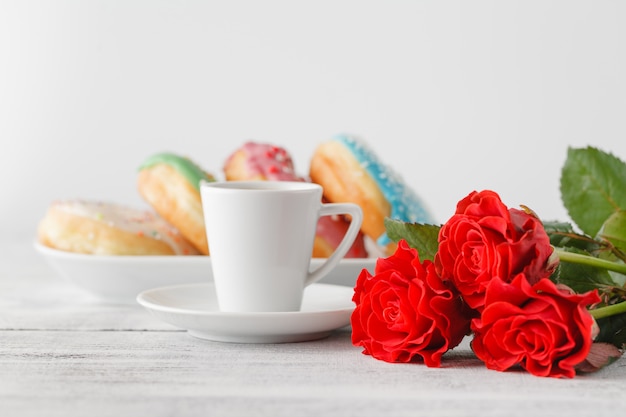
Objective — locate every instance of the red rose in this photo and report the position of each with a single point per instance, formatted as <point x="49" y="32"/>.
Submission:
<point x="484" y="239"/>
<point x="405" y="310"/>
<point x="544" y="329"/>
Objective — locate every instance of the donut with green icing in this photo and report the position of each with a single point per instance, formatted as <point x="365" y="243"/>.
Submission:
<point x="183" y="165"/>
<point x="170" y="183"/>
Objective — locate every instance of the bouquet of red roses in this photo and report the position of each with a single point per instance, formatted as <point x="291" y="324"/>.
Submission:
<point x="542" y="296"/>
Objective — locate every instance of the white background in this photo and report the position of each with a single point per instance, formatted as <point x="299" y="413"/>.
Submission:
<point x="455" y="95"/>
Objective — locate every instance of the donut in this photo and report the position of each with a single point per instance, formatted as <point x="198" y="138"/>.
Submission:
<point x="102" y="228"/>
<point x="330" y="231"/>
<point x="349" y="171"/>
<point x="260" y="161"/>
<point x="264" y="162"/>
<point x="171" y="185"/>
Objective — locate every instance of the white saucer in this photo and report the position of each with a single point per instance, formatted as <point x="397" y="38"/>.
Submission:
<point x="193" y="307"/>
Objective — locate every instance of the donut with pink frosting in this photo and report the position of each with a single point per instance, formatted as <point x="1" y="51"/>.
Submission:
<point x="330" y="231"/>
<point x="268" y="162"/>
<point x="260" y="161"/>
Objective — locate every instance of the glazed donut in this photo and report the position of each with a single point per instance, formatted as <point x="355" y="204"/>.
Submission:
<point x="263" y="162"/>
<point x="171" y="185"/>
<point x="349" y="171"/>
<point x="101" y="228"/>
<point x="260" y="161"/>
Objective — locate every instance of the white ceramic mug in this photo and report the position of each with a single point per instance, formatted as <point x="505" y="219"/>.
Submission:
<point x="261" y="236"/>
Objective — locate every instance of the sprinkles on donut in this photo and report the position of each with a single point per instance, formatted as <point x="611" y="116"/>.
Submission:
<point x="350" y="171"/>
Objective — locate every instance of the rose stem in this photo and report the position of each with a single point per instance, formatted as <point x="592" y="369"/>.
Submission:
<point x="590" y="261"/>
<point x="606" y="311"/>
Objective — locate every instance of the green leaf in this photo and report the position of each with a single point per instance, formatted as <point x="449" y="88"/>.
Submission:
<point x="613" y="330"/>
<point x="593" y="186"/>
<point x="563" y="235"/>
<point x="614" y="230"/>
<point x="422" y="237"/>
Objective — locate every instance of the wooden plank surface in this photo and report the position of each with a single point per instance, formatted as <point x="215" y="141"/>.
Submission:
<point x="62" y="354"/>
<point x="82" y="373"/>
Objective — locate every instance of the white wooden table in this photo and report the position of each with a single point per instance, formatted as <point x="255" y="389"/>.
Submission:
<point x="63" y="354"/>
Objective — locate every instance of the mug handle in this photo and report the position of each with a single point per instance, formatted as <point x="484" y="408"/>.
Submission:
<point x="331" y="209"/>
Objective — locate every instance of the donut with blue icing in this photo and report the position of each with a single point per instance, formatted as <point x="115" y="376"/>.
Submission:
<point x="349" y="171"/>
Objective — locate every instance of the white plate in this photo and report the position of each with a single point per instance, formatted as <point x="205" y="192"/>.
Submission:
<point x="193" y="307"/>
<point x="120" y="278"/>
